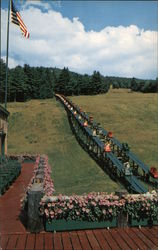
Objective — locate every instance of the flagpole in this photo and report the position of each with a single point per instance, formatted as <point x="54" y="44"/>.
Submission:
<point x="6" y="80"/>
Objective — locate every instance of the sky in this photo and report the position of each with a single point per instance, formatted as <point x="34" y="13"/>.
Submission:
<point x="116" y="38"/>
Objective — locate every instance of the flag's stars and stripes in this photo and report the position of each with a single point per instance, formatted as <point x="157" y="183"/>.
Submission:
<point x="16" y="19"/>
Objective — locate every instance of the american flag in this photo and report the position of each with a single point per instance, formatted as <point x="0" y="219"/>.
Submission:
<point x="16" y="19"/>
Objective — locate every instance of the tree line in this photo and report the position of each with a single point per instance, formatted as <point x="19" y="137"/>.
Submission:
<point x="27" y="82"/>
<point x="145" y="86"/>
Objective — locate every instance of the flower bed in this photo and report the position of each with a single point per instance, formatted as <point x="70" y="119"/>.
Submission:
<point x="42" y="164"/>
<point x="42" y="175"/>
<point x="94" y="210"/>
<point x="97" y="210"/>
<point x="142" y="209"/>
<point x="48" y="184"/>
<point x="9" y="171"/>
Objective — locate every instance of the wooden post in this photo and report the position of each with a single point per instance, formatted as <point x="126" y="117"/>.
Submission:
<point x="122" y="217"/>
<point x="34" y="220"/>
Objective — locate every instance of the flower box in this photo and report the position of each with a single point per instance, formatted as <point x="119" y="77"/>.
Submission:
<point x="139" y="222"/>
<point x="143" y="222"/>
<point x="62" y="225"/>
<point x="155" y="222"/>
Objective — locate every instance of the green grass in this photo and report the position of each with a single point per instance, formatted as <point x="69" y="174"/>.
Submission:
<point x="132" y="117"/>
<point x="42" y="127"/>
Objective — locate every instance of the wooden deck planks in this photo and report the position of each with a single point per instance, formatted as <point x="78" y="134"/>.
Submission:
<point x="57" y="241"/>
<point x="75" y="240"/>
<point x="21" y="242"/>
<point x="136" y="239"/>
<point x="129" y="241"/>
<point x="121" y="243"/>
<point x="100" y="238"/>
<point x="111" y="241"/>
<point x="66" y="241"/>
<point x="30" y="242"/>
<point x="154" y="231"/>
<point x="92" y="239"/>
<point x="146" y="241"/>
<point x="39" y="245"/>
<point x="149" y="235"/>
<point x="83" y="240"/>
<point x="4" y="239"/>
<point x="12" y="242"/>
<point x="48" y="241"/>
<point x="10" y="202"/>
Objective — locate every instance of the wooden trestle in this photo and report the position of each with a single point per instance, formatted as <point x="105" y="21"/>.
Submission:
<point x="112" y="162"/>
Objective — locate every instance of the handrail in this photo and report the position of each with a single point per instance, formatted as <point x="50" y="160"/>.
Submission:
<point x="132" y="180"/>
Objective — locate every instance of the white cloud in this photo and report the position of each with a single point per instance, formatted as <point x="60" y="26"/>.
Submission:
<point x="58" y="41"/>
<point x="12" y="63"/>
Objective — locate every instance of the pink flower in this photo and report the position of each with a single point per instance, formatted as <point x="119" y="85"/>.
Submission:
<point x="60" y="211"/>
<point x="62" y="204"/>
<point x="93" y="203"/>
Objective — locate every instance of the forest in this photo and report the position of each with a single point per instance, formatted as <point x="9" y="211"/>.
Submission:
<point x="25" y="83"/>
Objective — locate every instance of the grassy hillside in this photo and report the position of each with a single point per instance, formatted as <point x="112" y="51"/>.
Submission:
<point x="42" y="127"/>
<point x="131" y="116"/>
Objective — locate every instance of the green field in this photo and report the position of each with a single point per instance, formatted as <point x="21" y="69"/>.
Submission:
<point x="131" y="116"/>
<point x="41" y="126"/>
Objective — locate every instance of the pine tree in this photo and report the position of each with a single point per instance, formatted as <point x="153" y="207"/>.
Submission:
<point x="85" y="86"/>
<point x="96" y="83"/>
<point x="29" y="73"/>
<point x="106" y="82"/>
<point x="63" y="81"/>
<point x="18" y="84"/>
<point x="134" y="84"/>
